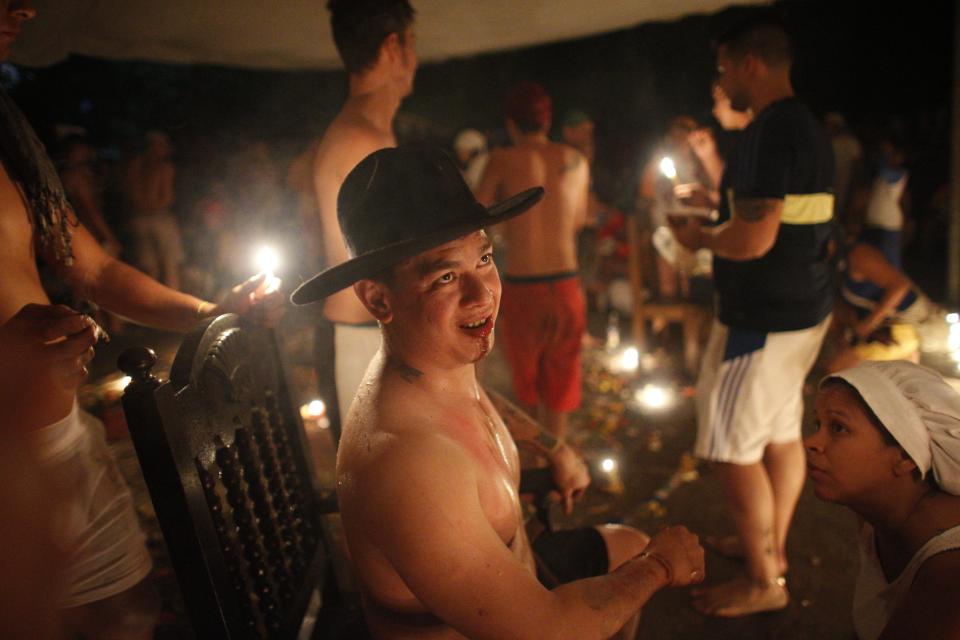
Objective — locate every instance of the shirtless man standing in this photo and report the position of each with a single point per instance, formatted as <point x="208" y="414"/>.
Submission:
<point x="544" y="311"/>
<point x="149" y="180"/>
<point x="376" y="42"/>
<point x="427" y="470"/>
<point x="104" y="591"/>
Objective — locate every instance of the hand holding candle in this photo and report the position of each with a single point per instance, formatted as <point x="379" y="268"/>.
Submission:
<point x="260" y="295"/>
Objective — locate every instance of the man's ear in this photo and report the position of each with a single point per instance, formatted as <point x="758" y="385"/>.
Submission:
<point x="754" y="67"/>
<point x="375" y="298"/>
<point x="391" y="48"/>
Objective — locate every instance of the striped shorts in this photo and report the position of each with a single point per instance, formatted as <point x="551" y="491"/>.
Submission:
<point x="750" y="390"/>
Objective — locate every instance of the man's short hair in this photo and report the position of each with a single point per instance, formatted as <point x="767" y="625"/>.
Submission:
<point x="529" y="106"/>
<point x="763" y="37"/>
<point x="360" y="27"/>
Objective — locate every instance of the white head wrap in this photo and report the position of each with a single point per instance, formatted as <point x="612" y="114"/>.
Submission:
<point x="919" y="409"/>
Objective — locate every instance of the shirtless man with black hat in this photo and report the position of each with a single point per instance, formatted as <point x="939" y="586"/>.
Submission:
<point x="428" y="470"/>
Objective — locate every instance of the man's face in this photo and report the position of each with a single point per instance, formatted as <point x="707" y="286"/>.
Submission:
<point x="730" y="78"/>
<point x="12" y="14"/>
<point x="444" y="302"/>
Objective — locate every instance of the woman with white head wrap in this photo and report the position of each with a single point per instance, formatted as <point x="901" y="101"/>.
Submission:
<point x="887" y="445"/>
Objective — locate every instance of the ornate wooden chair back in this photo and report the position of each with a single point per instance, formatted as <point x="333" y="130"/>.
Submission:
<point x="224" y="454"/>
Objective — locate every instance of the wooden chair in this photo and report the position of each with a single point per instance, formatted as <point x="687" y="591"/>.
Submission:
<point x="690" y="316"/>
<point x="224" y="454"/>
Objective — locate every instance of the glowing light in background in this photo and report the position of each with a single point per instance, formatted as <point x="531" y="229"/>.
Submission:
<point x="314" y="415"/>
<point x="654" y="397"/>
<point x="123" y="382"/>
<point x="609" y="465"/>
<point x="953" y="318"/>
<point x="668" y="168"/>
<point x="316" y="408"/>
<point x="953" y="340"/>
<point x="629" y="360"/>
<point x="268" y="260"/>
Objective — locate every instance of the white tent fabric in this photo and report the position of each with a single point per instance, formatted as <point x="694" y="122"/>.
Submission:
<point x="295" y="34"/>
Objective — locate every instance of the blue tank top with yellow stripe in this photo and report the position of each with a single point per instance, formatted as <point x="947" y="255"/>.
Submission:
<point x="783" y="154"/>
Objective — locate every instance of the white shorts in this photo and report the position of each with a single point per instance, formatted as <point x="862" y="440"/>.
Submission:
<point x="107" y="551"/>
<point x="750" y="390"/>
<point x="355" y="346"/>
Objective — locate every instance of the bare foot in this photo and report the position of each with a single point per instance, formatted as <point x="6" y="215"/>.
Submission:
<point x="740" y="597"/>
<point x="730" y="546"/>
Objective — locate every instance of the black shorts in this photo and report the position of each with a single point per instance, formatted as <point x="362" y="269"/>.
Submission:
<point x="570" y="554"/>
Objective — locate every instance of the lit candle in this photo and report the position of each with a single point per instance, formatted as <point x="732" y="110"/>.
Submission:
<point x="669" y="169"/>
<point x="654" y="397"/>
<point x="625" y="361"/>
<point x="267" y="262"/>
<point x="612" y="482"/>
<point x="314" y="415"/>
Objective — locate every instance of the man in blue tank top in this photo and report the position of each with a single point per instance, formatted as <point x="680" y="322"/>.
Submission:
<point x="773" y="281"/>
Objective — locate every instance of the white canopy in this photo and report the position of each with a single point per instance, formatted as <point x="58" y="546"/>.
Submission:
<point x="295" y="34"/>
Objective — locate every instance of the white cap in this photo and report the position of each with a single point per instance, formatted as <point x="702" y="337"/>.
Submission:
<point x="470" y="140"/>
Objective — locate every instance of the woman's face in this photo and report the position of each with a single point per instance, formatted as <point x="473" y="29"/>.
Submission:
<point x="847" y="458"/>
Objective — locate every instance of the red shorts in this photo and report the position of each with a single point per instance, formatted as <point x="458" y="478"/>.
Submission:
<point x="542" y="321"/>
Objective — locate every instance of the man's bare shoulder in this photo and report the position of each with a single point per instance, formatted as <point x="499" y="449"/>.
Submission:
<point x="346" y="142"/>
<point x="382" y="458"/>
<point x="570" y="159"/>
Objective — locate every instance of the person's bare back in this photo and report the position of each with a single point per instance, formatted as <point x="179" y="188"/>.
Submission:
<point x="544" y="240"/>
<point x="350" y="138"/>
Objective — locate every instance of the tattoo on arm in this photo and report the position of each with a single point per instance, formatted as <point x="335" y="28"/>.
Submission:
<point x="755" y="210"/>
<point x="547" y="440"/>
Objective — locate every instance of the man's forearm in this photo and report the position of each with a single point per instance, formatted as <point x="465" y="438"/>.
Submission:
<point x="749" y="234"/>
<point x="599" y="607"/>
<point x="132" y="294"/>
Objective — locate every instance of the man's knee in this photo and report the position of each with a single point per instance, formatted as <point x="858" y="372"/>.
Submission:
<point x="129" y="614"/>
<point x="622" y="542"/>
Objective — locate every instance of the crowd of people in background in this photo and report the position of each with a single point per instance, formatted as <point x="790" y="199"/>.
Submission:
<point x="194" y="229"/>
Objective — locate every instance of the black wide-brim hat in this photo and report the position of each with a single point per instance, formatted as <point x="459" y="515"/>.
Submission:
<point x="398" y="203"/>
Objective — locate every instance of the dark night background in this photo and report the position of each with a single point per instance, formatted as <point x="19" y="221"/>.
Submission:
<point x="886" y="66"/>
